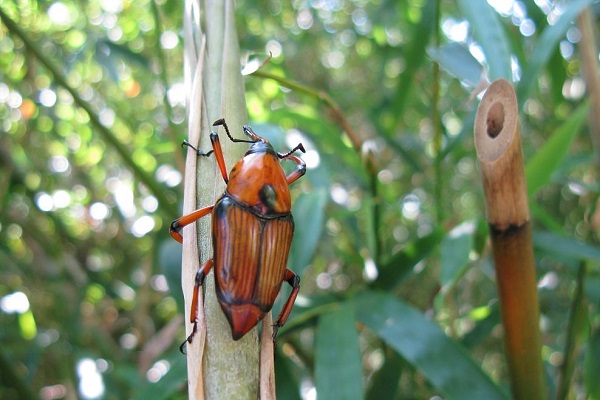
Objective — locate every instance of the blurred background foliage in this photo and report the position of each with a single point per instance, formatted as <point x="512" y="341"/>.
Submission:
<point x="398" y="298"/>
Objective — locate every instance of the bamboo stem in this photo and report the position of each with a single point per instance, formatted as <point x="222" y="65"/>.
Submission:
<point x="218" y="367"/>
<point x="231" y="368"/>
<point x="498" y="146"/>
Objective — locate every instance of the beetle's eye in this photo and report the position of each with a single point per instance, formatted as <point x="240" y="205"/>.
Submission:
<point x="268" y="196"/>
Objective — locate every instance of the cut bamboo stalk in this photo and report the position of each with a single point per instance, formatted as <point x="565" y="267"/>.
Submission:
<point x="498" y="146"/>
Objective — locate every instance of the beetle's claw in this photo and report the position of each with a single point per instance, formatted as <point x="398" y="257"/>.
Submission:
<point x="218" y="122"/>
<point x="182" y="347"/>
<point x="276" y="327"/>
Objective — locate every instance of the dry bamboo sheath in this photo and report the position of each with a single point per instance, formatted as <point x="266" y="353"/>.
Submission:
<point x="498" y="146"/>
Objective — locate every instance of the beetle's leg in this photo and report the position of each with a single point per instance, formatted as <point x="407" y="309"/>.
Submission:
<point x="294" y="281"/>
<point x="298" y="172"/>
<point x="216" y="144"/>
<point x="178" y="224"/>
<point x="292" y="151"/>
<point x="221" y="121"/>
<point x="200" y="276"/>
<point x="198" y="151"/>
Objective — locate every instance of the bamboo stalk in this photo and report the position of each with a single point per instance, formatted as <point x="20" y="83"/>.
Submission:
<point x="218" y="367"/>
<point x="231" y="367"/>
<point x="498" y="146"/>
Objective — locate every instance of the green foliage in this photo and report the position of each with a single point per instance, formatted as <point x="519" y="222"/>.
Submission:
<point x="338" y="372"/>
<point x="426" y="347"/>
<point x="398" y="297"/>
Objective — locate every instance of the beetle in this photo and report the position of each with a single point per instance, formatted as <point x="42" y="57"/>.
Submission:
<point x="252" y="228"/>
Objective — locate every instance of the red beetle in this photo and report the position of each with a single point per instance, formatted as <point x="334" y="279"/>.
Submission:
<point x="252" y="228"/>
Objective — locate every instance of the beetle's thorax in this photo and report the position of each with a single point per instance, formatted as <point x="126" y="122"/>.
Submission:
<point x="262" y="146"/>
<point x="259" y="182"/>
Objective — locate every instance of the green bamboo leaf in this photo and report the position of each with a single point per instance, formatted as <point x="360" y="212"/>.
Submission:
<point x="592" y="286"/>
<point x="489" y="33"/>
<point x="484" y="325"/>
<point x="444" y="362"/>
<point x="415" y="52"/>
<point x="565" y="246"/>
<point x="546" y="45"/>
<point x="122" y="52"/>
<point x="287" y="385"/>
<point x="577" y="333"/>
<point x="306" y="311"/>
<point x="455" y="250"/>
<point x="542" y="165"/>
<point x="169" y="260"/>
<point x="544" y="218"/>
<point x="401" y="264"/>
<point x="592" y="366"/>
<point x="458" y="61"/>
<point x="310" y="209"/>
<point x="338" y="373"/>
<point x="384" y="384"/>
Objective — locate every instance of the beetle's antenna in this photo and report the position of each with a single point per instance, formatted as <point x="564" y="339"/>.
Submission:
<point x="289" y="153"/>
<point x="221" y="121"/>
<point x="198" y="151"/>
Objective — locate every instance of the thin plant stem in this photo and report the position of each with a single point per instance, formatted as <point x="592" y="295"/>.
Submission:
<point x="437" y="128"/>
<point x="336" y="110"/>
<point x="575" y="335"/>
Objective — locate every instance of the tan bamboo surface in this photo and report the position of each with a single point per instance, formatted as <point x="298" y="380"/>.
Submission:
<point x="498" y="147"/>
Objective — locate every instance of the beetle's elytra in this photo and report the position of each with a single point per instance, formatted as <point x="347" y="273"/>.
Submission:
<point x="252" y="228"/>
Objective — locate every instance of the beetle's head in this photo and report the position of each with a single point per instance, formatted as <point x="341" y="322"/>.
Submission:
<point x="254" y="138"/>
<point x="259" y="143"/>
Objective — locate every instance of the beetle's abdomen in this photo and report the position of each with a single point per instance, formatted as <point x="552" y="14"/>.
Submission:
<point x="250" y="255"/>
